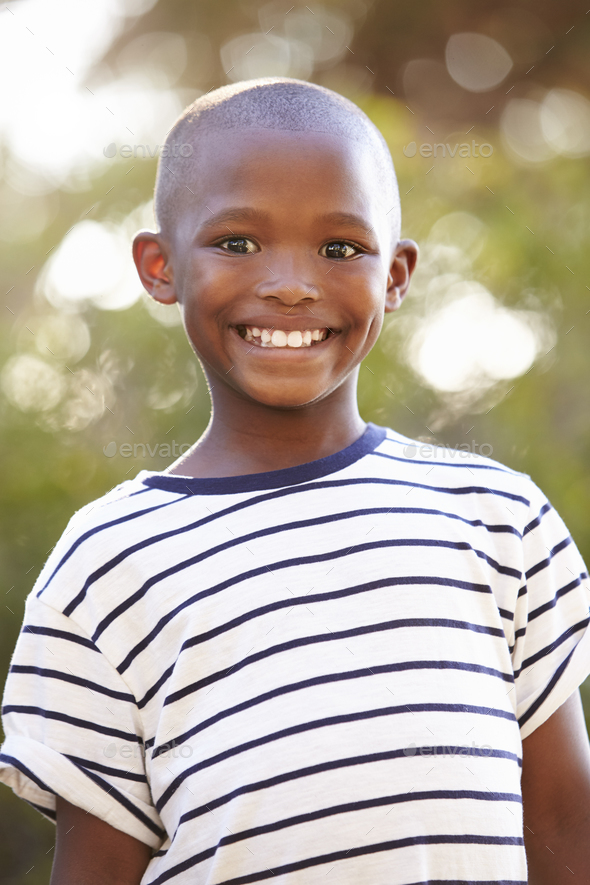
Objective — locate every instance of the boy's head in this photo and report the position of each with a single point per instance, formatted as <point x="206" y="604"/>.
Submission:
<point x="284" y="219"/>
<point x="270" y="103"/>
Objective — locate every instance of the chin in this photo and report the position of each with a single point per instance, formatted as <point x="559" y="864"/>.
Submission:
<point x="283" y="405"/>
<point x="287" y="400"/>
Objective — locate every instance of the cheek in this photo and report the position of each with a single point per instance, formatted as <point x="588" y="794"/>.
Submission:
<point x="368" y="302"/>
<point x="373" y="331"/>
<point x="369" y="314"/>
<point x="204" y="290"/>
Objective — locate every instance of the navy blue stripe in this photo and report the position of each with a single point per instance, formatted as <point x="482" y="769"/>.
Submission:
<point x="406" y="441"/>
<point x="276" y="606"/>
<point x="162" y="481"/>
<point x="330" y="677"/>
<point x="74" y="680"/>
<point x="123" y="800"/>
<point x="330" y="811"/>
<point x="324" y="723"/>
<point x="552" y="646"/>
<point x="537" y="520"/>
<point x="320" y="768"/>
<point x="106" y="769"/>
<point x="291" y="490"/>
<point x="59" y="634"/>
<point x="541" y="609"/>
<point x="136" y="514"/>
<point x="545" y="562"/>
<point x="518" y="634"/>
<point x="276" y="529"/>
<point x="71" y="720"/>
<point x="545" y="694"/>
<point x="310" y="640"/>
<point x="20" y="766"/>
<point x="359" y="851"/>
<point x="307" y="683"/>
<point x="48" y="812"/>
<point x="289" y="563"/>
<point x="443" y="462"/>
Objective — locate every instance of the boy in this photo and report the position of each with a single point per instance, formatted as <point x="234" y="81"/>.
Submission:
<point x="270" y="661"/>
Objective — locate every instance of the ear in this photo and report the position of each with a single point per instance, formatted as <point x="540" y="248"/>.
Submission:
<point x="400" y="274"/>
<point x="150" y="254"/>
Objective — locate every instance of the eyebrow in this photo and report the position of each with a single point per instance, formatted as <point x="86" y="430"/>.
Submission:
<point x="347" y="219"/>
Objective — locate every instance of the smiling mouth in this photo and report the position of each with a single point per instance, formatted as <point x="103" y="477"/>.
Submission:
<point x="280" y="338"/>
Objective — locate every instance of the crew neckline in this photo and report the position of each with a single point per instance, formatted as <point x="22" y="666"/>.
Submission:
<point x="273" y="479"/>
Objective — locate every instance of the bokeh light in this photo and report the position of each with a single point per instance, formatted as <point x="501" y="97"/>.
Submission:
<point x="94" y="265"/>
<point x="266" y="55"/>
<point x="565" y="122"/>
<point x="32" y="384"/>
<point x="522" y="132"/>
<point x="472" y="341"/>
<point x="65" y="336"/>
<point x="476" y="62"/>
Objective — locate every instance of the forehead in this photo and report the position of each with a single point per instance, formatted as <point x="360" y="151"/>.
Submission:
<point x="294" y="167"/>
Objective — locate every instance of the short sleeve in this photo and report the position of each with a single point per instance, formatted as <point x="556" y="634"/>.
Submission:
<point x="72" y="728"/>
<point x="551" y="655"/>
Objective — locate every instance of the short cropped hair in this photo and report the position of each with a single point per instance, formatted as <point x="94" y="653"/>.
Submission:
<point x="266" y="103"/>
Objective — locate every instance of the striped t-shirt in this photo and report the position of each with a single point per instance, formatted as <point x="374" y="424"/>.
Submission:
<point x="322" y="671"/>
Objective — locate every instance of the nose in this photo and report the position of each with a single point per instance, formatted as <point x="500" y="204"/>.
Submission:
<point x="286" y="282"/>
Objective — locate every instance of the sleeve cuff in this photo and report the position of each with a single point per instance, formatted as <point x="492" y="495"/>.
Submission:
<point x="38" y="774"/>
<point x="556" y="693"/>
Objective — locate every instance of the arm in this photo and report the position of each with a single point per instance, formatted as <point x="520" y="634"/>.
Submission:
<point x="90" y="852"/>
<point x="556" y="797"/>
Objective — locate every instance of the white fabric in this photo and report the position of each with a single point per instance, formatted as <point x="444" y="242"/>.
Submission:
<point x="322" y="670"/>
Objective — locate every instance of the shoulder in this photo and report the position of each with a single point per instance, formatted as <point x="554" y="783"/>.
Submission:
<point x="465" y="458"/>
<point x="466" y="455"/>
<point x="94" y="533"/>
<point x="466" y="472"/>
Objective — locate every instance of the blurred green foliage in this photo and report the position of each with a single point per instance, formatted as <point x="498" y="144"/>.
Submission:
<point x="538" y="423"/>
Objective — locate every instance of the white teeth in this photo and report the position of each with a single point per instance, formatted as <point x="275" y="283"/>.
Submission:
<point x="279" y="338"/>
<point x="294" y="339"/>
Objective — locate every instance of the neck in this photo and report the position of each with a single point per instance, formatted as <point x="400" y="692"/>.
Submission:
<point x="247" y="437"/>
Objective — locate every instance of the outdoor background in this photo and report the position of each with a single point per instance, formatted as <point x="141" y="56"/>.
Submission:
<point x="490" y="351"/>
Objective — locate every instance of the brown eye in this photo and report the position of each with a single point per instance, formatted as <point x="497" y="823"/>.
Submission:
<point x="238" y="244"/>
<point x="339" y="250"/>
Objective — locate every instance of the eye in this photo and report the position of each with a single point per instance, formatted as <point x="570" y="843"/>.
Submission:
<point x="240" y="245"/>
<point x="339" y="249"/>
